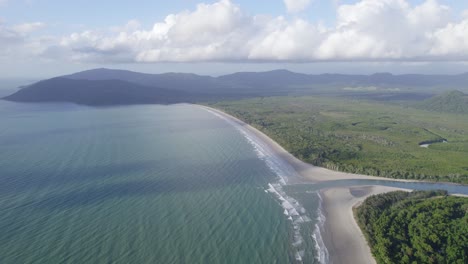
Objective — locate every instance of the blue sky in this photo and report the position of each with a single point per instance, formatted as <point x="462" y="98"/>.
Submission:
<point x="68" y="15"/>
<point x="43" y="38"/>
<point x="105" y="13"/>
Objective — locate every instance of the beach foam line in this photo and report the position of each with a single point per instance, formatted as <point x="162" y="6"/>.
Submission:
<point x="321" y="249"/>
<point x="291" y="206"/>
<point x="293" y="210"/>
<point x="281" y="168"/>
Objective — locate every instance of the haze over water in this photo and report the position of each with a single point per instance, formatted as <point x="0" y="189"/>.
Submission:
<point x="143" y="184"/>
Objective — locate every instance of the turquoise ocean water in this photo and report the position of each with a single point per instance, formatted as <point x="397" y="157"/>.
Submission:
<point x="149" y="184"/>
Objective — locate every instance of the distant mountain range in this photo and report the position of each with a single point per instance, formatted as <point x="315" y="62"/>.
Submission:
<point x="110" y="87"/>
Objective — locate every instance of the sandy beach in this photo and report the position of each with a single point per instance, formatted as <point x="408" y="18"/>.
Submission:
<point x="307" y="171"/>
<point x="343" y="237"/>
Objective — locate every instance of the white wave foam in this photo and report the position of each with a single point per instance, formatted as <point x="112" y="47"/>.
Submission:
<point x="322" y="251"/>
<point x="292" y="208"/>
<point x="299" y="255"/>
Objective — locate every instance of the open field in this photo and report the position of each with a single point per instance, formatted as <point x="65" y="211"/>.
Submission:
<point x="363" y="137"/>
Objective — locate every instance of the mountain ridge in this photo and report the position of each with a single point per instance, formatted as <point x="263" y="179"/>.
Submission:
<point x="100" y="92"/>
<point x="188" y="87"/>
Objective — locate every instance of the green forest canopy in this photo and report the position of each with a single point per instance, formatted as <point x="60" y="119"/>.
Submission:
<point x="418" y="227"/>
<point x="373" y="138"/>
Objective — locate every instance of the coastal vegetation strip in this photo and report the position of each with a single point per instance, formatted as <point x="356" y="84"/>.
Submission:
<point x="415" y="227"/>
<point x="363" y="137"/>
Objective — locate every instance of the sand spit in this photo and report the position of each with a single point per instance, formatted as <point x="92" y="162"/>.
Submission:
<point x="342" y="235"/>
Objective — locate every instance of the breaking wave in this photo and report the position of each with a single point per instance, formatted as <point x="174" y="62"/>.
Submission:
<point x="293" y="210"/>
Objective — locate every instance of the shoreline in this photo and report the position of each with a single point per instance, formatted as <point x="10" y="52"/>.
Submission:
<point x="342" y="236"/>
<point x="336" y="217"/>
<point x="309" y="172"/>
<point x="342" y="233"/>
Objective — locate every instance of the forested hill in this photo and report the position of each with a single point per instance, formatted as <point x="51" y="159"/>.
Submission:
<point x="173" y="81"/>
<point x="105" y="92"/>
<point x="418" y="227"/>
<point x="184" y="87"/>
<point x="451" y="102"/>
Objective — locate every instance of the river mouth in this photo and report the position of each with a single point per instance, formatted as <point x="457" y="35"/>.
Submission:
<point x="134" y="183"/>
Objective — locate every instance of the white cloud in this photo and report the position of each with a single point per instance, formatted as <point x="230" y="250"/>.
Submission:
<point x="15" y="39"/>
<point x="451" y="41"/>
<point x="26" y="28"/>
<point x="285" y="40"/>
<point x="294" y="6"/>
<point x="18" y="32"/>
<point x="369" y="30"/>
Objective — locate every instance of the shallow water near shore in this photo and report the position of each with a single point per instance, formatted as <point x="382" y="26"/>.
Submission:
<point x="150" y="184"/>
<point x="138" y="184"/>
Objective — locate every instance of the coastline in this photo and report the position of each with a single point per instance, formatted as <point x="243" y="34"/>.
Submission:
<point x="342" y="233"/>
<point x="342" y="236"/>
<point x="307" y="171"/>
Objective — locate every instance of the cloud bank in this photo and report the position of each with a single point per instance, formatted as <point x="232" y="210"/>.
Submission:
<point x="369" y="30"/>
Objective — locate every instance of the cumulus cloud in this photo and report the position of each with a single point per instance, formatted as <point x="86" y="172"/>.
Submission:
<point x="369" y="30"/>
<point x="451" y="41"/>
<point x="294" y="6"/>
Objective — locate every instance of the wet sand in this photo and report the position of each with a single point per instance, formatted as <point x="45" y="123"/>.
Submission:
<point x="343" y="237"/>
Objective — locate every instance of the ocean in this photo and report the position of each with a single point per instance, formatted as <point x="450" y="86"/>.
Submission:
<point x="151" y="184"/>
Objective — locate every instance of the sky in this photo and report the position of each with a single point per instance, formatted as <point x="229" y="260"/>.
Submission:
<point x="46" y="38"/>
